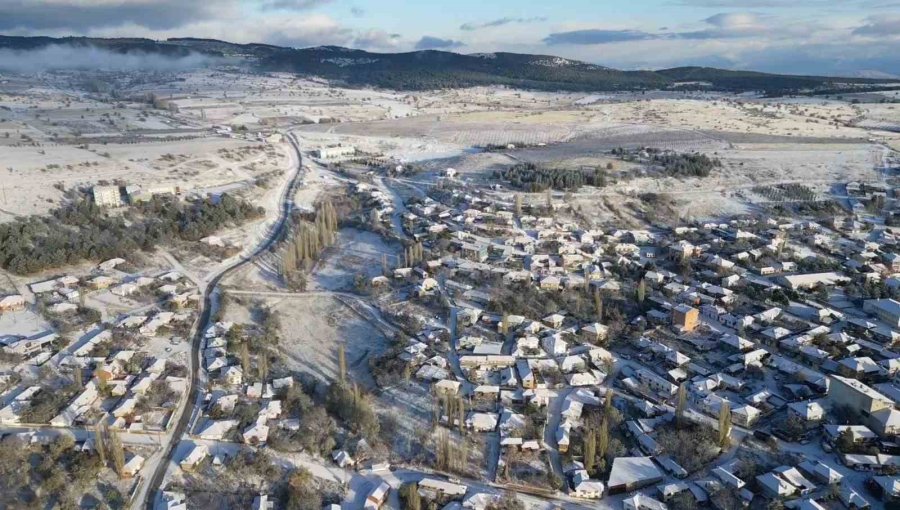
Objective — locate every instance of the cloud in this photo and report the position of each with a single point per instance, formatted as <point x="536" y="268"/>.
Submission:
<point x="754" y="4"/>
<point x="357" y="11"/>
<point x="65" y="57"/>
<point x="377" y="40"/>
<point x="436" y="43"/>
<point x="500" y="22"/>
<point x="730" y="25"/>
<point x="598" y="36"/>
<point x="310" y="30"/>
<point x="880" y="27"/>
<point x="719" y="26"/>
<point x="81" y="16"/>
<point x="292" y="5"/>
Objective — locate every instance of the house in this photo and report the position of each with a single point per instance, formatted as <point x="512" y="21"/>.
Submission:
<point x="12" y="303"/>
<point x="262" y="502"/>
<point x="745" y="415"/>
<point x="257" y="433"/>
<point x="584" y="487"/>
<point x="812" y="280"/>
<point x="550" y="283"/>
<point x="133" y="466"/>
<point x="377" y="497"/>
<point x="887" y="310"/>
<point x="554" y="320"/>
<point x="858" y="433"/>
<point x="685" y="317"/>
<point x="107" y="196"/>
<point x="728" y="478"/>
<point x="28" y="346"/>
<point x="335" y="152"/>
<point x="109" y="265"/>
<point x="526" y="375"/>
<point x="821" y="471"/>
<point x="888" y="488"/>
<point x="232" y="375"/>
<point x="171" y="501"/>
<point x="809" y="412"/>
<point x="482" y="422"/>
<point x="595" y="332"/>
<point x="858" y="367"/>
<point x="643" y="502"/>
<point x="655" y="382"/>
<point x="195" y="457"/>
<point x="886" y="422"/>
<point x="774" y="486"/>
<point x="795" y="478"/>
<point x="631" y="473"/>
<point x="342" y="458"/>
<point x="554" y="345"/>
<point x="851" y="393"/>
<point x="562" y="436"/>
<point x="852" y="499"/>
<point x="216" y="430"/>
<point x="102" y="282"/>
<point x="436" y="489"/>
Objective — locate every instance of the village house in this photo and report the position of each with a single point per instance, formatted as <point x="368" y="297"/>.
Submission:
<point x="12" y="303"/>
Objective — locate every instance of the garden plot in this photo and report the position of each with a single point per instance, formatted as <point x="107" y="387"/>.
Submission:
<point x="312" y="329"/>
<point x="356" y="253"/>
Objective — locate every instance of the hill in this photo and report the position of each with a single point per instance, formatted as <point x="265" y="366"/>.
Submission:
<point x="430" y="69"/>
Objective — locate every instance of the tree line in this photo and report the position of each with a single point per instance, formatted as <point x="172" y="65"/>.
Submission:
<point x="305" y="243"/>
<point x="82" y="231"/>
<point x="674" y="164"/>
<point x="533" y="178"/>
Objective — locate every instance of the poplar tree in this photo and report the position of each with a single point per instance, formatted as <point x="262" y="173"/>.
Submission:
<point x="245" y="358"/>
<point x="116" y="452"/>
<point x="342" y="363"/>
<point x="682" y="405"/>
<point x="590" y="449"/>
<point x="100" y="442"/>
<point x="724" y="424"/>
<point x="603" y="442"/>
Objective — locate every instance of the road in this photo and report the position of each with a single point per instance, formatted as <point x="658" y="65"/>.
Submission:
<point x="145" y="496"/>
<point x="399" y="207"/>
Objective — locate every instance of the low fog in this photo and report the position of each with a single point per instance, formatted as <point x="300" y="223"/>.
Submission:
<point x="63" y="57"/>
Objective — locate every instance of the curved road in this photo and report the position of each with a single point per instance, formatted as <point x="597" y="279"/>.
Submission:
<point x="146" y="495"/>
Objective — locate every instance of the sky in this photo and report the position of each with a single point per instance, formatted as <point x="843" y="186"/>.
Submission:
<point x="837" y="37"/>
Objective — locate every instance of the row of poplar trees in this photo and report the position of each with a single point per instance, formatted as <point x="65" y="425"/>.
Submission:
<point x="307" y="240"/>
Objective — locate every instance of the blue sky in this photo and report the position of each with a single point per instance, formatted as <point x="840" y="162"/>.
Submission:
<point x="849" y="37"/>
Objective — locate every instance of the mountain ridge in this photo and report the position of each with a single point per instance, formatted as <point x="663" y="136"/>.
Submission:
<point x="431" y="69"/>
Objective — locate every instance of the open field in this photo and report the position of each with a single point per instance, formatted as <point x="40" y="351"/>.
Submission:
<point x="312" y="329"/>
<point x="356" y="253"/>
